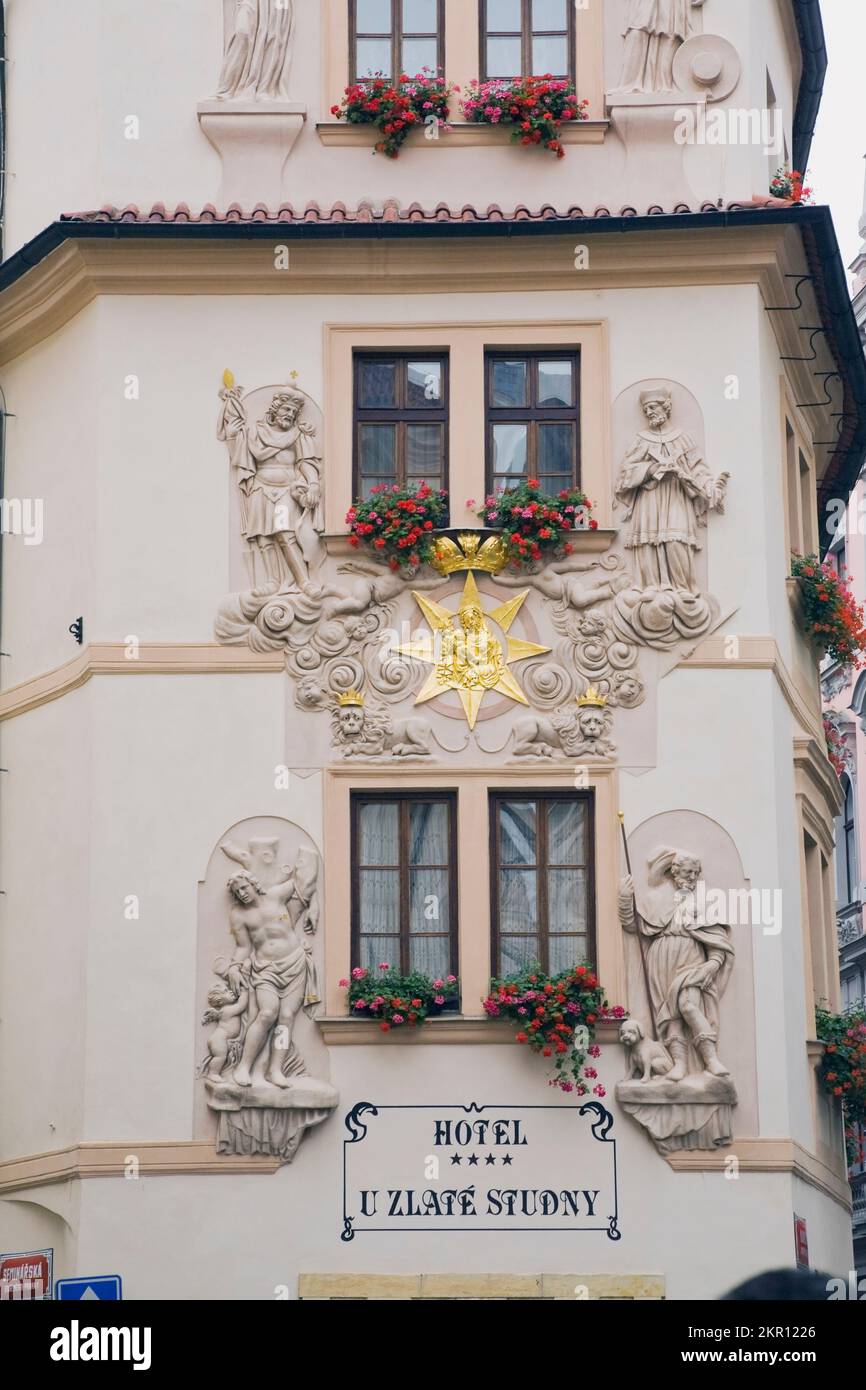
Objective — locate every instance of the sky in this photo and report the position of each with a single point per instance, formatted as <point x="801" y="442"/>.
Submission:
<point x="836" y="166"/>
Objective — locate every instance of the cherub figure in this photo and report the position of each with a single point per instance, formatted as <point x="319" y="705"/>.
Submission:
<point x="227" y="1008"/>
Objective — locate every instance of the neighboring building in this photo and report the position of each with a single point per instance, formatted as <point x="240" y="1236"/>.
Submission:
<point x="439" y="760"/>
<point x="845" y="698"/>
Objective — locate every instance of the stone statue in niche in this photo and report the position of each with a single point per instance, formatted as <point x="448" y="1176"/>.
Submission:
<point x="654" y="33"/>
<point x="256" y="1078"/>
<point x="257" y="51"/>
<point x="277" y="468"/>
<point x="666" y="490"/>
<point x="686" y="965"/>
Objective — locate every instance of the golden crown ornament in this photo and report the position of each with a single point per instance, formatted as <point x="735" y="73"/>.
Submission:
<point x="350" y="698"/>
<point x="470" y="554"/>
<point x="592" y="698"/>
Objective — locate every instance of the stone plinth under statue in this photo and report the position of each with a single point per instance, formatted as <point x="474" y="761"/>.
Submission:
<point x="695" y="1113"/>
<point x="266" y="1119"/>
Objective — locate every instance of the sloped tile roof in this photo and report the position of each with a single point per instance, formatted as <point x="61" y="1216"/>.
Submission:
<point x="366" y="212"/>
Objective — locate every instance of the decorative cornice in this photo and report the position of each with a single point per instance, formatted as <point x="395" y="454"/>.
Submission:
<point x="761" y="654"/>
<point x="194" y="1158"/>
<point x="170" y="1157"/>
<point x="153" y="659"/>
<point x="769" y="1156"/>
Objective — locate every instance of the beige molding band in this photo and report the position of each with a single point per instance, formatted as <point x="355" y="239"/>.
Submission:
<point x="459" y="135"/>
<point x="481" y="1286"/>
<point x="73" y="275"/>
<point x="769" y="1156"/>
<point x="759" y="654"/>
<point x="180" y="1157"/>
<point x="170" y="1157"/>
<point x="358" y="1032"/>
<point x="154" y="659"/>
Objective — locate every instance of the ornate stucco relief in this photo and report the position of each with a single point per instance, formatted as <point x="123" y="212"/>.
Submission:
<point x="260" y="1080"/>
<point x="665" y="492"/>
<point x="653" y="33"/>
<point x="689" y="983"/>
<point x="258" y="50"/>
<point x="383" y="663"/>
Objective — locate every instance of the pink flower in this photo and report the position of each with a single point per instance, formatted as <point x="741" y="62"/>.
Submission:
<point x="344" y="984"/>
<point x="359" y="1004"/>
<point x="591" y="1073"/>
<point x="523" y="1011"/>
<point x="358" y="973"/>
<point x="599" y="1091"/>
<point x="397" y="1018"/>
<point x="470" y="502"/>
<point x="594" y="1051"/>
<point x="438" y="998"/>
<point x="438" y="984"/>
<point x="452" y="979"/>
<point x="384" y="965"/>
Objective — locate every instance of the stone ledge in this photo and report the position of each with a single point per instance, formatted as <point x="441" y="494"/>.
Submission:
<point x="346" y="1031"/>
<point x="459" y="134"/>
<point x="482" y="1286"/>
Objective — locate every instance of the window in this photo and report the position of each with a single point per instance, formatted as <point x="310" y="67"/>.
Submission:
<point x="800" y="489"/>
<point x="847" y="890"/>
<point x="522" y="37"/>
<point x="394" y="36"/>
<point x="401" y="420"/>
<point x="404" y="881"/>
<point x="542" y="890"/>
<point x="533" y="419"/>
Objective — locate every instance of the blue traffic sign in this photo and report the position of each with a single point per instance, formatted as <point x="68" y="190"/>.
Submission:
<point x="103" y="1288"/>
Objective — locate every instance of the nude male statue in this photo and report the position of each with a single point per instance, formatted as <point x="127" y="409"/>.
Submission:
<point x="272" y="957"/>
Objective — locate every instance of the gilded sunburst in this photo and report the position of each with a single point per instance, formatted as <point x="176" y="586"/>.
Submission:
<point x="465" y="653"/>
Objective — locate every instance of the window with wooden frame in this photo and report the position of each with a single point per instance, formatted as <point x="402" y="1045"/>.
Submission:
<point x="847" y="878"/>
<point x="800" y="489"/>
<point x="401" y="420"/>
<point x="542" y="879"/>
<point x="527" y="37"/>
<point x="395" y="36"/>
<point x="404" y="881"/>
<point x="533" y="419"/>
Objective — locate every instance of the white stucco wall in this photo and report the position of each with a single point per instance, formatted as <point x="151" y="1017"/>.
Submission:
<point x="79" y="72"/>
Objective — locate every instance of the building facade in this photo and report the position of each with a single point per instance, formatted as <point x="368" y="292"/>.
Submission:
<point x="246" y="759"/>
<point x="844" y="696"/>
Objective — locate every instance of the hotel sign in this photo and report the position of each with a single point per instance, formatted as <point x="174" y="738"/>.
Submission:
<point x="479" y="1168"/>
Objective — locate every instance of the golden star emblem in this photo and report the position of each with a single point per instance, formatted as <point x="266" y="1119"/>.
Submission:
<point x="465" y="653"/>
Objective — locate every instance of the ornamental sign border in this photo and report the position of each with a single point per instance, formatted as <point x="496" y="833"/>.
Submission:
<point x="600" y="1128"/>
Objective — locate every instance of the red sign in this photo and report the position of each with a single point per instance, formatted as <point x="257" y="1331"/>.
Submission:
<point x="25" y="1276"/>
<point x="801" y="1242"/>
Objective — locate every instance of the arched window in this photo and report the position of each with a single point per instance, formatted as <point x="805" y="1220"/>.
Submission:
<point x="846" y="850"/>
